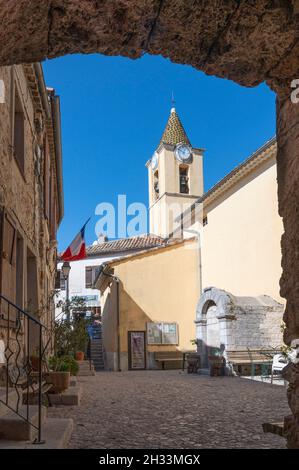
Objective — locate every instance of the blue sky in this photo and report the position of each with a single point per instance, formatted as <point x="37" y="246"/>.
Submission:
<point x="114" y="111"/>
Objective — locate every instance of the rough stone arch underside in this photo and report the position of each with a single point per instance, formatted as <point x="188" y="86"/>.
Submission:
<point x="245" y="41"/>
<point x="249" y="42"/>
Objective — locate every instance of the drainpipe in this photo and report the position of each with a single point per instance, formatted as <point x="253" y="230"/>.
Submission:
<point x="117" y="280"/>
<point x="197" y="234"/>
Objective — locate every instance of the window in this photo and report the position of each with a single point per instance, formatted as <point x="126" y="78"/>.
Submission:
<point x="162" y="333"/>
<point x="184" y="180"/>
<point x="91" y="273"/>
<point x="19" y="133"/>
<point x="156" y="184"/>
<point x="60" y="282"/>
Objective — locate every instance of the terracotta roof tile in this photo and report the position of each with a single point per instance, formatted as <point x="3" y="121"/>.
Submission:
<point x="137" y="243"/>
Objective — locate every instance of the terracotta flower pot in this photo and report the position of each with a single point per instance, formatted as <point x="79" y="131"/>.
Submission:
<point x="34" y="363"/>
<point x="79" y="356"/>
<point x="60" y="381"/>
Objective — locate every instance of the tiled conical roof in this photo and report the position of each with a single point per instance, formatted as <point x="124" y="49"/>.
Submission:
<point x="174" y="132"/>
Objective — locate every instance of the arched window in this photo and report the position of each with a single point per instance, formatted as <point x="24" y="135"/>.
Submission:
<point x="156" y="184"/>
<point x="184" y="179"/>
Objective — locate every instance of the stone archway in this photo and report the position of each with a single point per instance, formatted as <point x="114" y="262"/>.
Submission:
<point x="248" y="42"/>
<point x="214" y="306"/>
<point x="226" y="323"/>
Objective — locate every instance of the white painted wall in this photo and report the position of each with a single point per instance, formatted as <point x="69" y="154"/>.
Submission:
<point x="77" y="279"/>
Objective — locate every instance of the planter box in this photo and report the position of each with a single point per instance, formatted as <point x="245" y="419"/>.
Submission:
<point x="60" y="381"/>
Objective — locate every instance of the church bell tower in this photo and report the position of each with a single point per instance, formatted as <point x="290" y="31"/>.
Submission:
<point x="175" y="178"/>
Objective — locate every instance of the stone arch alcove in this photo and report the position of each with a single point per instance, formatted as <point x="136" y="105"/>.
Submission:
<point x="226" y="323"/>
<point x="214" y="306"/>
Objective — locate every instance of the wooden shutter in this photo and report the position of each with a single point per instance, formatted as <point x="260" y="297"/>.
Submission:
<point x="88" y="277"/>
<point x="57" y="279"/>
<point x="9" y="267"/>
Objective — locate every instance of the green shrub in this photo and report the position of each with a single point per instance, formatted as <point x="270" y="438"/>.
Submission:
<point x="64" y="364"/>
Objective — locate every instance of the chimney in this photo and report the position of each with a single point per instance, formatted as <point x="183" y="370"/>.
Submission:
<point x="102" y="238"/>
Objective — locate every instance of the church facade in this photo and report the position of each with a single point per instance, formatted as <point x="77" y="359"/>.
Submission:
<point x="219" y="245"/>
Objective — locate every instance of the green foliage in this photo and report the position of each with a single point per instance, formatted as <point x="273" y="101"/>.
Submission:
<point x="64" y="364"/>
<point x="71" y="336"/>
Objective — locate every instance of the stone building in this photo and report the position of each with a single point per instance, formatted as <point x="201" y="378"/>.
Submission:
<point x="31" y="197"/>
<point x="227" y="238"/>
<point x="246" y="43"/>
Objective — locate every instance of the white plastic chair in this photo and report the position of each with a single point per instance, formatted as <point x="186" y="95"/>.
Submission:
<point x="279" y="363"/>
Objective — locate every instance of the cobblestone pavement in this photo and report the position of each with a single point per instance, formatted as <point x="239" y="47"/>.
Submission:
<point x="172" y="409"/>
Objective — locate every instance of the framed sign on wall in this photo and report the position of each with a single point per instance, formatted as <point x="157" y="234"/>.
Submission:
<point x="137" y="350"/>
<point x="162" y="333"/>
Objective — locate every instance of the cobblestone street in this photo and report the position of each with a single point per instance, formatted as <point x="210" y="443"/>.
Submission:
<point x="171" y="409"/>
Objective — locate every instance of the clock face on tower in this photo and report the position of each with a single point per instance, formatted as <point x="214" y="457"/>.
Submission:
<point x="155" y="161"/>
<point x="183" y="153"/>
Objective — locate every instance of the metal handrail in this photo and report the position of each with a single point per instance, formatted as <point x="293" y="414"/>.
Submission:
<point x="22" y="311"/>
<point x="17" y="349"/>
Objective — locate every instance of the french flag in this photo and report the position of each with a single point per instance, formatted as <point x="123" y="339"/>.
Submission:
<point x="77" y="249"/>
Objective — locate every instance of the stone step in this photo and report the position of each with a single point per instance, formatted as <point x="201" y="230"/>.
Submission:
<point x="56" y="433"/>
<point x="13" y="427"/>
<point x="86" y="369"/>
<point x="85" y="365"/>
<point x="274" y="428"/>
<point x="12" y="400"/>
<point x="85" y="373"/>
<point x="70" y="397"/>
<point x="99" y="364"/>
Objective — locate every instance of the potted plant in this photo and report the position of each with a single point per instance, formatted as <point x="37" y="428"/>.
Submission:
<point x="79" y="356"/>
<point x="72" y="364"/>
<point x="59" y="375"/>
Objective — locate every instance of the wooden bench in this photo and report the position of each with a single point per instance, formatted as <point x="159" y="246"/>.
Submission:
<point x="168" y="356"/>
<point x="252" y="357"/>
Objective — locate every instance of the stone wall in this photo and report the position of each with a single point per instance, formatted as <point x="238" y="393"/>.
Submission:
<point x="288" y="193"/>
<point x="255" y="328"/>
<point x="22" y="197"/>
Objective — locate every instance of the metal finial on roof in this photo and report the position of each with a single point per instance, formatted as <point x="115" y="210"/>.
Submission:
<point x="172" y="103"/>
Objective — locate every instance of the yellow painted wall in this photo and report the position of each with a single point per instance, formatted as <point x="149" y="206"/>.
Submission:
<point x="162" y="286"/>
<point x="241" y="243"/>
